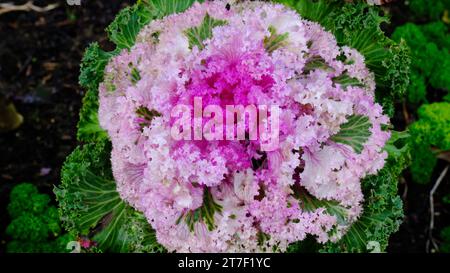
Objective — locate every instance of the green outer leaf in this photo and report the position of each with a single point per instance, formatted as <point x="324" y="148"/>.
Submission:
<point x="197" y="35"/>
<point x="383" y="210"/>
<point x="93" y="66"/>
<point x="90" y="204"/>
<point x="129" y="21"/>
<point x="382" y="215"/>
<point x="126" y="26"/>
<point x="316" y="11"/>
<point x="162" y="8"/>
<point x="354" y="133"/>
<point x="91" y="74"/>
<point x="142" y="236"/>
<point x="391" y="146"/>
<point x="89" y="129"/>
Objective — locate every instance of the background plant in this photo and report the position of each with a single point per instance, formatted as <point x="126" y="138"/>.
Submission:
<point x="427" y="106"/>
<point x="35" y="225"/>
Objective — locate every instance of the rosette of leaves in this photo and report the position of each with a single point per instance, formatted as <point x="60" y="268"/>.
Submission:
<point x="89" y="204"/>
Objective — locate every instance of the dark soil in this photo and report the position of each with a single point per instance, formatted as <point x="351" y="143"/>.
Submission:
<point x="40" y="55"/>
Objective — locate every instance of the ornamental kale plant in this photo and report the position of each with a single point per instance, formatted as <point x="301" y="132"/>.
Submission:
<point x="132" y="187"/>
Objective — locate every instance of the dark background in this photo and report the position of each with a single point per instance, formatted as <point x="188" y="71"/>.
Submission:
<point x="40" y="55"/>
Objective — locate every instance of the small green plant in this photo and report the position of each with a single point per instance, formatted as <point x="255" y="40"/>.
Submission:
<point x="35" y="225"/>
<point x="430" y="136"/>
<point x="430" y="45"/>
<point x="429" y="85"/>
<point x="428" y="94"/>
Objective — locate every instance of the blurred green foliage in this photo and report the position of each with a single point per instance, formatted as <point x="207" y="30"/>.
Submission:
<point x="429" y="92"/>
<point x="428" y="9"/>
<point x="430" y="45"/>
<point x="445" y="235"/>
<point x="35" y="225"/>
<point x="429" y="87"/>
<point x="432" y="130"/>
